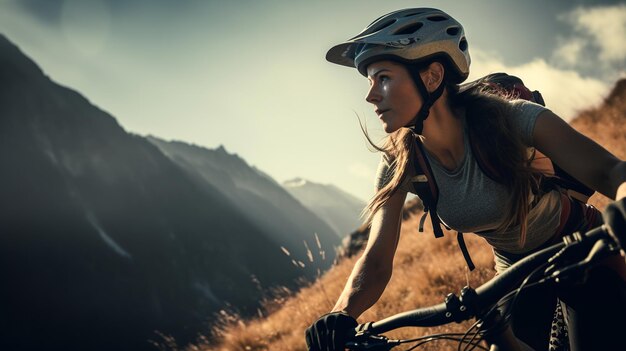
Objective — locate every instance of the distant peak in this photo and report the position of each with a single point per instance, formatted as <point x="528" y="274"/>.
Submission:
<point x="221" y="151"/>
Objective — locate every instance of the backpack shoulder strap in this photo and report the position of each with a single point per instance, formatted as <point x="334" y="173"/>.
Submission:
<point x="464" y="251"/>
<point x="426" y="188"/>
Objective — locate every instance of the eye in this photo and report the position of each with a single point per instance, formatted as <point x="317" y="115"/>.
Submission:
<point x="380" y="79"/>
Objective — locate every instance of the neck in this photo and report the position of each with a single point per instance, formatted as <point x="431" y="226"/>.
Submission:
<point x="443" y="129"/>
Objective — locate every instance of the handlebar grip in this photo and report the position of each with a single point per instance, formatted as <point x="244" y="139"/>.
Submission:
<point x="422" y="317"/>
<point x="614" y="217"/>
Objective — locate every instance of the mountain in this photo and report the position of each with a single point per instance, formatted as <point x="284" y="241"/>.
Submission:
<point x="259" y="198"/>
<point x="105" y="240"/>
<point x="339" y="209"/>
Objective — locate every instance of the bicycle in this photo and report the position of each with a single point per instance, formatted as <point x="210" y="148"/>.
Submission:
<point x="568" y="259"/>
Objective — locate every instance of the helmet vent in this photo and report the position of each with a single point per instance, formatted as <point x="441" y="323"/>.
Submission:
<point x="410" y="29"/>
<point x="437" y="18"/>
<point x="463" y="44"/>
<point x="382" y="26"/>
<point x="453" y="31"/>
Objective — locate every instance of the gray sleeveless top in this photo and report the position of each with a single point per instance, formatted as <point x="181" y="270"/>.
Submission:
<point x="469" y="201"/>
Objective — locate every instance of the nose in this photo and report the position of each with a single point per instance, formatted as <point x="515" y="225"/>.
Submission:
<point x="373" y="95"/>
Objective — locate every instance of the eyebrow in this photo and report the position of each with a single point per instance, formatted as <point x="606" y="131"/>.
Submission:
<point x="380" y="71"/>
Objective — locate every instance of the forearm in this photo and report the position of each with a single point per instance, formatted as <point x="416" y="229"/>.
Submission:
<point x="372" y="271"/>
<point x="364" y="287"/>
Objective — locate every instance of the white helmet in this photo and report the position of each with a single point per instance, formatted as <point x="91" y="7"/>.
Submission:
<point x="411" y="36"/>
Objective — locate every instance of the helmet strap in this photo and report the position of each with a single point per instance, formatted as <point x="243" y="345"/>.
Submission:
<point x="428" y="99"/>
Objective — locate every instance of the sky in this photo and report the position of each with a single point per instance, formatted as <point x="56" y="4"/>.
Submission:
<point x="252" y="76"/>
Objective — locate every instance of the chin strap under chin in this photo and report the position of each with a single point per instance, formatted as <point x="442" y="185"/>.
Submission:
<point x="417" y="124"/>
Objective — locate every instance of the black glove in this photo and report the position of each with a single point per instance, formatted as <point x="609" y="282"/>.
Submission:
<point x="615" y="218"/>
<point x="329" y="332"/>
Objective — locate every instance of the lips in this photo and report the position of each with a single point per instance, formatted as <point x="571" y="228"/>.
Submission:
<point x="381" y="111"/>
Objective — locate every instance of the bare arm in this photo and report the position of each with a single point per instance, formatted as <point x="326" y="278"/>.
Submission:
<point x="578" y="155"/>
<point x="372" y="271"/>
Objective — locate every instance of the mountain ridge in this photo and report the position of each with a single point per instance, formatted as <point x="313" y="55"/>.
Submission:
<point x="338" y="208"/>
<point x="105" y="239"/>
<point x="260" y="198"/>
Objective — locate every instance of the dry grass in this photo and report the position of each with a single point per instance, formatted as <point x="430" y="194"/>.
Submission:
<point x="606" y="125"/>
<point x="425" y="270"/>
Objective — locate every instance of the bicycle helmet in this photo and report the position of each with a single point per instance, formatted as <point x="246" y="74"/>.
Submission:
<point x="413" y="37"/>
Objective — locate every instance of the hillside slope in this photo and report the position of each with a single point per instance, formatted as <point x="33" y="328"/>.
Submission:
<point x="425" y="269"/>
<point x="606" y="124"/>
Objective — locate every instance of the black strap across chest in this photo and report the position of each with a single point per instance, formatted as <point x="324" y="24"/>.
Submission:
<point x="425" y="187"/>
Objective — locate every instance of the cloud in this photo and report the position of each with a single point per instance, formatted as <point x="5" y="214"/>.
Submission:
<point x="606" y="26"/>
<point x="46" y="11"/>
<point x="582" y="67"/>
<point x="569" y="51"/>
<point x="597" y="40"/>
<point x="565" y="91"/>
<point x="50" y="12"/>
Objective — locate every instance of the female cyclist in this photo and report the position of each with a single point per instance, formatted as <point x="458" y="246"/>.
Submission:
<point x="414" y="60"/>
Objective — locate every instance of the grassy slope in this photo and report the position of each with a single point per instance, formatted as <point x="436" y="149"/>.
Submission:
<point x="425" y="269"/>
<point x="607" y="126"/>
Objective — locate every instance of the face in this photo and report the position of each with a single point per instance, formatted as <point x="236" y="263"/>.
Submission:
<point x="393" y="94"/>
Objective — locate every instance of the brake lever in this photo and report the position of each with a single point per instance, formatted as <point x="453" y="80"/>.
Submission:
<point x="600" y="250"/>
<point x="366" y="342"/>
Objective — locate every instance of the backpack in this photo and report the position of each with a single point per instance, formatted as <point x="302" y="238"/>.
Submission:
<point x="425" y="185"/>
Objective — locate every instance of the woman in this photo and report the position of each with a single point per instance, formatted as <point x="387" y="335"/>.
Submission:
<point x="414" y="60"/>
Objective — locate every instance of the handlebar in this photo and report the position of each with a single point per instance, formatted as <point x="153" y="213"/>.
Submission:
<point x="575" y="252"/>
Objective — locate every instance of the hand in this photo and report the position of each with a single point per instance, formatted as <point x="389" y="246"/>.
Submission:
<point x="615" y="219"/>
<point x="329" y="332"/>
<point x="621" y="191"/>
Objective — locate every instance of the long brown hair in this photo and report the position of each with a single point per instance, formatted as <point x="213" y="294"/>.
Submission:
<point x="491" y="132"/>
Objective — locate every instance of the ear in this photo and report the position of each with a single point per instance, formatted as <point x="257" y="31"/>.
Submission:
<point x="432" y="76"/>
